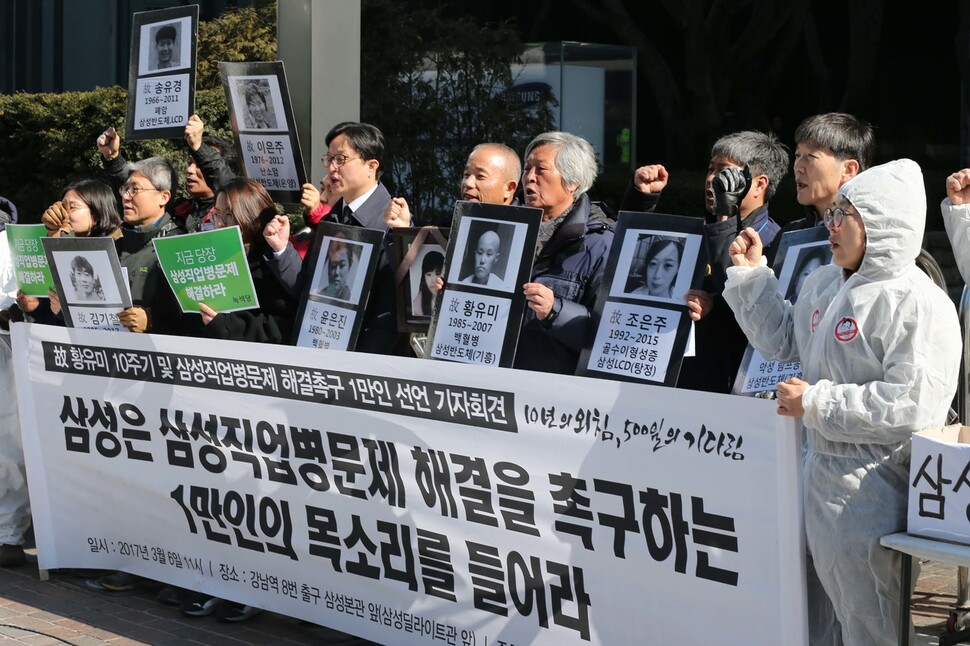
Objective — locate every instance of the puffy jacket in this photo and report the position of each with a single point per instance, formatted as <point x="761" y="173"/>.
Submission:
<point x="149" y="288"/>
<point x="571" y="264"/>
<point x="271" y="322"/>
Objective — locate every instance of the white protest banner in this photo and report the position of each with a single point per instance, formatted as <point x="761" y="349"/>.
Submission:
<point x="415" y="502"/>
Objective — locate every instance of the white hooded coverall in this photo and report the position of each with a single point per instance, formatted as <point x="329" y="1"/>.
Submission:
<point x="14" y="503"/>
<point x="881" y="351"/>
<point x="956" y="219"/>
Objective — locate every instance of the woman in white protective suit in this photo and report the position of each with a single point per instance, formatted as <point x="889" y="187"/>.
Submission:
<point x="14" y="504"/>
<point x="956" y="218"/>
<point x="880" y="349"/>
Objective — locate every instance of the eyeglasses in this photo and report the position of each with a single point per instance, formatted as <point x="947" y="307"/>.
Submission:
<point x="835" y="216"/>
<point x="133" y="191"/>
<point x="223" y="219"/>
<point x="73" y="206"/>
<point x="338" y="160"/>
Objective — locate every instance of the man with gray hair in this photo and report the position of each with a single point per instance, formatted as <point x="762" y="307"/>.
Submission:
<point x="739" y="198"/>
<point x="574" y="243"/>
<point x="145" y="198"/>
<point x="746" y="168"/>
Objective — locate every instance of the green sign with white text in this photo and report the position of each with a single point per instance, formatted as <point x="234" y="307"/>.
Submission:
<point x="30" y="264"/>
<point x="208" y="267"/>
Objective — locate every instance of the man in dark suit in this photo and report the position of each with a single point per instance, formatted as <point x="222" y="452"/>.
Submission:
<point x="355" y="153"/>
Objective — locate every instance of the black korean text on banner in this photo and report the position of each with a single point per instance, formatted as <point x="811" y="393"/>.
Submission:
<point x="640" y="325"/>
<point x="799" y="254"/>
<point x="262" y="122"/>
<point x="479" y="313"/>
<point x="412" y="502"/>
<point x="341" y="266"/>
<point x="161" y="76"/>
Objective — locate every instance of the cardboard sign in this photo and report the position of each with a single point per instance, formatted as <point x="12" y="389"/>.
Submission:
<point x="209" y="267"/>
<point x="344" y="260"/>
<point x="640" y="325"/>
<point x="91" y="283"/>
<point x="420" y="258"/>
<point x="799" y="254"/>
<point x="161" y="76"/>
<point x="29" y="261"/>
<point x="264" y="128"/>
<point x="479" y="313"/>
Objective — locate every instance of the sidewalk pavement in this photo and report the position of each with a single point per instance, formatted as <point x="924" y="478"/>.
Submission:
<point x="63" y="611"/>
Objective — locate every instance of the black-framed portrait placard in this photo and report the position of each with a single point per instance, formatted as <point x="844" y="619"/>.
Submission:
<point x="262" y="122"/>
<point x="420" y="257"/>
<point x="90" y="282"/>
<point x="640" y="325"/>
<point x="161" y="73"/>
<point x="479" y="312"/>
<point x="799" y="254"/>
<point x="344" y="260"/>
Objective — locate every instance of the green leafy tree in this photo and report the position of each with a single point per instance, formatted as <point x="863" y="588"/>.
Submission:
<point x="238" y="35"/>
<point x="54" y="134"/>
<point x="436" y="87"/>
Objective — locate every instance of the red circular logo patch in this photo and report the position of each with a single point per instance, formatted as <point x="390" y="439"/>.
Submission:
<point x="815" y="319"/>
<point x="846" y="329"/>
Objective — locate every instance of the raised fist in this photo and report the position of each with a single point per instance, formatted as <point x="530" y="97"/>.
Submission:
<point x="56" y="219"/>
<point x="730" y="186"/>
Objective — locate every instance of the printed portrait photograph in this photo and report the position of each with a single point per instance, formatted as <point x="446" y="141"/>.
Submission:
<point x="799" y="263"/>
<point x="165" y="46"/>
<point x="86" y="277"/>
<point x="423" y="274"/>
<point x="488" y="254"/>
<point x="257" y="103"/>
<point x="656" y="265"/>
<point x="338" y="267"/>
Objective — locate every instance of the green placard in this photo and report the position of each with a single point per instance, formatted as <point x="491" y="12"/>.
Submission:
<point x="30" y="264"/>
<point x="208" y="267"/>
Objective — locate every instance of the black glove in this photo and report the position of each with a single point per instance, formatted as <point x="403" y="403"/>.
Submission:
<point x="730" y="186"/>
